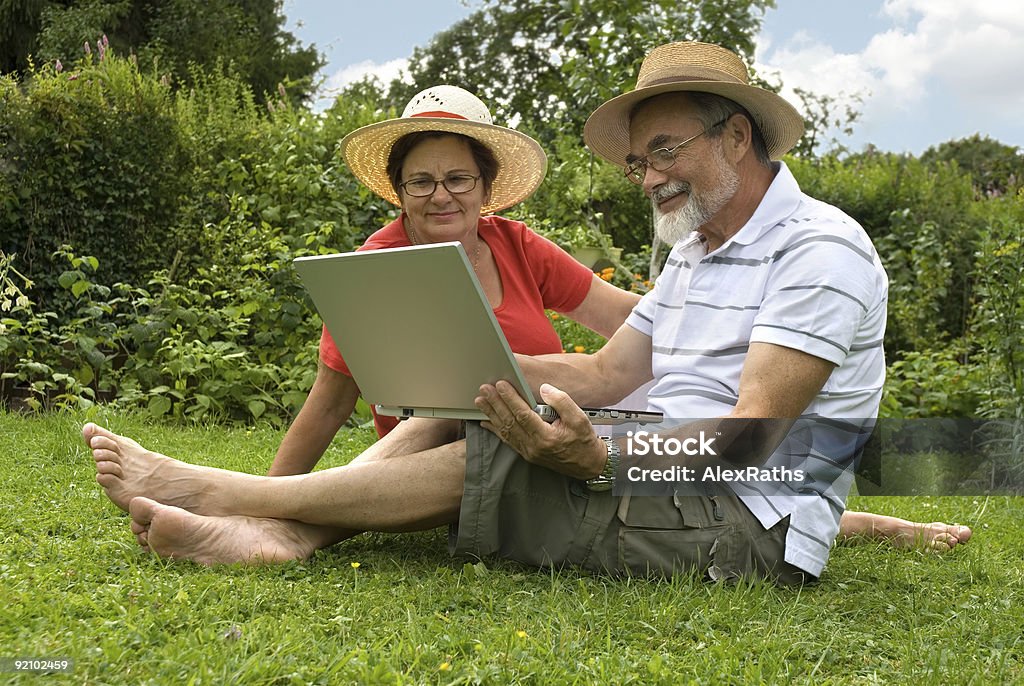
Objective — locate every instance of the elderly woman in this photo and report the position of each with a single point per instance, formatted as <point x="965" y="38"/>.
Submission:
<point x="447" y="166"/>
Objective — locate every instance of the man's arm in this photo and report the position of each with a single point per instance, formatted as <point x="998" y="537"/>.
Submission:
<point x="776" y="383"/>
<point x="779" y="382"/>
<point x="568" y="445"/>
<point x="597" y="380"/>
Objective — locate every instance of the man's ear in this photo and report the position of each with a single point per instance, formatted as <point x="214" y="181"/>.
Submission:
<point x="737" y="138"/>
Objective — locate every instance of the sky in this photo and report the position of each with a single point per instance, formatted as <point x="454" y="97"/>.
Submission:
<point x="926" y="71"/>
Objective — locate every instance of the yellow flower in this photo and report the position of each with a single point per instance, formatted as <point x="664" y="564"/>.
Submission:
<point x="554" y="315"/>
<point x="579" y="349"/>
<point x="355" y="565"/>
<point x="445" y="666"/>
<point x="521" y="634"/>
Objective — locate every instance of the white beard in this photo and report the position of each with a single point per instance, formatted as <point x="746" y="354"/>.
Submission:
<point x="700" y="208"/>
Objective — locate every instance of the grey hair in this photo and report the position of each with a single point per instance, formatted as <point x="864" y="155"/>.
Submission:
<point x="713" y="108"/>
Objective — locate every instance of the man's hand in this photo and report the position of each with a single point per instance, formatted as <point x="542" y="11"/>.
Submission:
<point x="568" y="445"/>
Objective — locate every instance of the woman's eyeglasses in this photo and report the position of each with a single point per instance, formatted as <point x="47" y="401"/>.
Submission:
<point x="454" y="184"/>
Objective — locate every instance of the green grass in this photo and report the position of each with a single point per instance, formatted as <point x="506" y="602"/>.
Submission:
<point x="74" y="584"/>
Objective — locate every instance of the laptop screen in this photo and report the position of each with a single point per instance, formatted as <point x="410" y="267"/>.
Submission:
<point x="414" y="327"/>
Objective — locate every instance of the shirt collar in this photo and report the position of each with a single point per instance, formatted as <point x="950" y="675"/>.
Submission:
<point x="779" y="202"/>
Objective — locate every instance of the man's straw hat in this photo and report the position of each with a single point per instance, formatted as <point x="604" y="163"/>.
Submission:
<point x="693" y="66"/>
<point x="521" y="161"/>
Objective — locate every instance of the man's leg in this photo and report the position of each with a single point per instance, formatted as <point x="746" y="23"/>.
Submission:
<point x="400" y="493"/>
<point x="412" y="435"/>
<point x="173" y="532"/>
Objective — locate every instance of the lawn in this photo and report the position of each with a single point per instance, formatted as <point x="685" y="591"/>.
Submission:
<point x="393" y="609"/>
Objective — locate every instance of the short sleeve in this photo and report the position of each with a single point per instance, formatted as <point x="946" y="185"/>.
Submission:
<point x="818" y="295"/>
<point x="563" y="282"/>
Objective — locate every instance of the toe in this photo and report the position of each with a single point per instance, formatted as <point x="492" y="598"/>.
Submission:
<point x="143" y="510"/>
<point x="110" y="468"/>
<point x="942" y="543"/>
<point x="104" y="443"/>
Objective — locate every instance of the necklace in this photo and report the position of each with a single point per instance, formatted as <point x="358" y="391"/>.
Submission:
<point x="476" y="250"/>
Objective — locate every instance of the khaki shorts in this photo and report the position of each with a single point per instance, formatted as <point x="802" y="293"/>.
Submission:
<point x="517" y="511"/>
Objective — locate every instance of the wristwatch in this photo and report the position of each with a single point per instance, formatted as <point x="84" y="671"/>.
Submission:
<point x="606" y="479"/>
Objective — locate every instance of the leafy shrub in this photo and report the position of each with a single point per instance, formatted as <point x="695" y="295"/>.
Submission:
<point x="238" y="354"/>
<point x="997" y="324"/>
<point x="923" y="221"/>
<point x="935" y="383"/>
<point x="92" y="158"/>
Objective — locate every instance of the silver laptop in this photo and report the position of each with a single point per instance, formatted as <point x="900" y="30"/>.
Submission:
<point x="417" y="332"/>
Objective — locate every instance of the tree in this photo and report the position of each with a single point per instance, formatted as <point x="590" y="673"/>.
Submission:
<point x="244" y="36"/>
<point x="546" y="64"/>
<point x="824" y="113"/>
<point x="994" y="167"/>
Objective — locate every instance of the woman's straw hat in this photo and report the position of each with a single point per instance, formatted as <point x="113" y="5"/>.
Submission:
<point x="521" y="161"/>
<point x="692" y="66"/>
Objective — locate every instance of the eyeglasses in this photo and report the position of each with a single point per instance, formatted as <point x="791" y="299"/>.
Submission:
<point x="454" y="184"/>
<point x="662" y="158"/>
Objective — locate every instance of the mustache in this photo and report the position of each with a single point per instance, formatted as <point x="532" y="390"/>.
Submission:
<point x="669" y="190"/>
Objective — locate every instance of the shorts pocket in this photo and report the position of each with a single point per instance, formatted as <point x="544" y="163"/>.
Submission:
<point x="662" y="536"/>
<point x="664" y="552"/>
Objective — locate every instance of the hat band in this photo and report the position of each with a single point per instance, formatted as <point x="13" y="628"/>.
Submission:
<point x="440" y="115"/>
<point x="675" y="79"/>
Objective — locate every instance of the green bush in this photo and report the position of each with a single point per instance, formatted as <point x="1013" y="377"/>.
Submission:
<point x="934" y="383"/>
<point x="91" y="158"/>
<point x="240" y="354"/>
<point x="997" y="323"/>
<point x="923" y="222"/>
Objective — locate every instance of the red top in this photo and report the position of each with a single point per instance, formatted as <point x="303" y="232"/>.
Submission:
<point x="536" y="275"/>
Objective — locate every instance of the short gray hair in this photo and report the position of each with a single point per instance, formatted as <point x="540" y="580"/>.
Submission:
<point x="712" y="108"/>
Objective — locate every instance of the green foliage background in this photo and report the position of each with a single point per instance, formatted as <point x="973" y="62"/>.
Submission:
<point x="147" y="229"/>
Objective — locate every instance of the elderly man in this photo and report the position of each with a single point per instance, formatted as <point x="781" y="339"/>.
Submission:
<point x="772" y="305"/>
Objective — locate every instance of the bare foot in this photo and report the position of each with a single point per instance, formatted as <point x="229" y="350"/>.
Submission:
<point x="176" y="533"/>
<point x="125" y="470"/>
<point x="937" y="536"/>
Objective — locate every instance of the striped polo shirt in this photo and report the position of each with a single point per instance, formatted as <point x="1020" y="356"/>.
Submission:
<point x="800" y="274"/>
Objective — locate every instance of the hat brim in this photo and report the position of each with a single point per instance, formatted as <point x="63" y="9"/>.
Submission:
<point x="607" y="130"/>
<point x="521" y="161"/>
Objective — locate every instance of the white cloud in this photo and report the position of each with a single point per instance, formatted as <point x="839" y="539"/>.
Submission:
<point x="337" y="81"/>
<point x="966" y="53"/>
<point x="972" y="49"/>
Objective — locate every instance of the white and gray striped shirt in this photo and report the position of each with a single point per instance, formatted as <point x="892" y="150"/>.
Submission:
<point x="800" y="274"/>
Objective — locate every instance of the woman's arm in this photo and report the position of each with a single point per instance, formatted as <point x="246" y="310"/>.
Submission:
<point x="604" y="308"/>
<point x="329" y="405"/>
